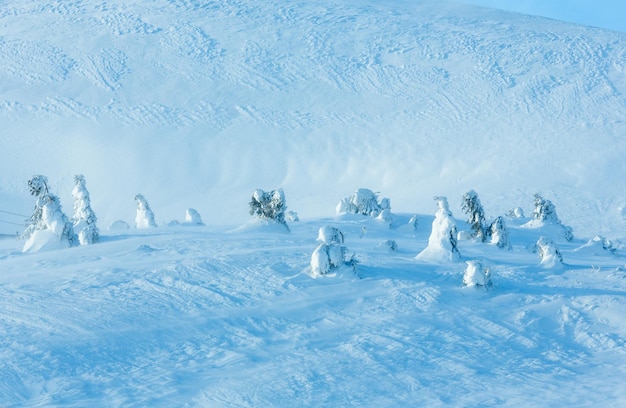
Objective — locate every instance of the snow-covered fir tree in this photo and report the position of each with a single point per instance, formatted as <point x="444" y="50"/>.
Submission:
<point x="545" y="211"/>
<point x="442" y="243"/>
<point x="363" y="201"/>
<point x="48" y="226"/>
<point x="145" y="216"/>
<point x="269" y="206"/>
<point x="84" y="218"/>
<point x="475" y="215"/>
<point x="545" y="214"/>
<point x="477" y="275"/>
<point x="499" y="233"/>
<point x="192" y="217"/>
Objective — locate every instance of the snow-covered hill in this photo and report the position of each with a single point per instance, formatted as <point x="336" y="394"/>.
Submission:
<point x="196" y="104"/>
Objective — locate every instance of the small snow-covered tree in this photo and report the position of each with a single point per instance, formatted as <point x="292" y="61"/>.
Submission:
<point x="145" y="216"/>
<point x="499" y="233"/>
<point x="330" y="253"/>
<point x="38" y="187"/>
<point x="548" y="252"/>
<point x="442" y="243"/>
<point x="477" y="275"/>
<point x="545" y="213"/>
<point x="363" y="201"/>
<point x="48" y="224"/>
<point x="269" y="206"/>
<point x="476" y="214"/>
<point x="84" y="219"/>
<point x="192" y="217"/>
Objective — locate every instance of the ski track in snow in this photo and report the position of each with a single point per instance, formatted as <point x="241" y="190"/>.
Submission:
<point x="188" y="316"/>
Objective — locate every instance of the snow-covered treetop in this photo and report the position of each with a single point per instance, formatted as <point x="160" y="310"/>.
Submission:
<point x="141" y="201"/>
<point x="363" y="201"/>
<point x="442" y="205"/>
<point x="330" y="235"/>
<point x="79" y="180"/>
<point x="38" y="185"/>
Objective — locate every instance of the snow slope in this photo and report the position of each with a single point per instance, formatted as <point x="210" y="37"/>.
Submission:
<point x="200" y="317"/>
<point x="198" y="104"/>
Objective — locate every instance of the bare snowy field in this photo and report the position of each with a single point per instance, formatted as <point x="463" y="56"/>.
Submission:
<point x="197" y="104"/>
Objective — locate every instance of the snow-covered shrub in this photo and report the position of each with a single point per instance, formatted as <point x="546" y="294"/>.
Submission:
<point x="84" y="218"/>
<point x="516" y="212"/>
<point x="607" y="244"/>
<point x="442" y="243"/>
<point x="331" y="253"/>
<point x="499" y="233"/>
<point x="48" y="226"/>
<point x="292" y="216"/>
<point x="414" y="222"/>
<point x="545" y="214"/>
<point x="118" y="225"/>
<point x="330" y="235"/>
<point x="192" y="217"/>
<point x="363" y="201"/>
<point x="269" y="206"/>
<point x="548" y="252"/>
<point x="145" y="216"/>
<point x="475" y="214"/>
<point x="320" y="260"/>
<point x="599" y="245"/>
<point x="390" y="244"/>
<point x="477" y="275"/>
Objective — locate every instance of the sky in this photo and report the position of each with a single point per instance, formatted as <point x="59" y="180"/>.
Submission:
<point x="610" y="14"/>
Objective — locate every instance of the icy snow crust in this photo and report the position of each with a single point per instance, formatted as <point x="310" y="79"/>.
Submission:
<point x="201" y="317"/>
<point x="198" y="104"/>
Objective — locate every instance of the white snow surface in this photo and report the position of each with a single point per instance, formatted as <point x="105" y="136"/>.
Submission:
<point x="197" y="104"/>
<point x="194" y="316"/>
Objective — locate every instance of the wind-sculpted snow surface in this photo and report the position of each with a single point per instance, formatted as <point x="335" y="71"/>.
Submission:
<point x="187" y="316"/>
<point x="188" y="101"/>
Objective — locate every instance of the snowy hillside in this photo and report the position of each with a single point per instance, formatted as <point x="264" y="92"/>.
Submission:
<point x="197" y="104"/>
<point x="197" y="317"/>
